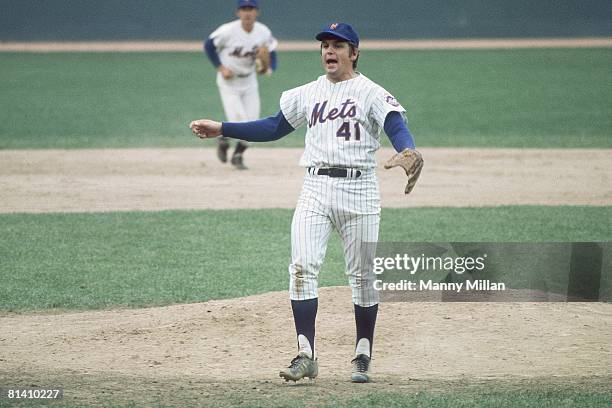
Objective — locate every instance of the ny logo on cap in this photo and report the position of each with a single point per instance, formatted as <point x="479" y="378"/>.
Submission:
<point x="333" y="26"/>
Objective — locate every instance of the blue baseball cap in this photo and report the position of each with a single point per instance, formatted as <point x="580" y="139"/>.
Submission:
<point x="247" y="3"/>
<point x="342" y="31"/>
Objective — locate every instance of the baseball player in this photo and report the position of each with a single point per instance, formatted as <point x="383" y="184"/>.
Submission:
<point x="344" y="112"/>
<point x="239" y="50"/>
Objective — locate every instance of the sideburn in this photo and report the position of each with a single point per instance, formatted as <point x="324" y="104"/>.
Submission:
<point x="353" y="50"/>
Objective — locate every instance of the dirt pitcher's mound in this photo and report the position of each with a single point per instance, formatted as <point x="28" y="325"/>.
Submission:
<point x="218" y="340"/>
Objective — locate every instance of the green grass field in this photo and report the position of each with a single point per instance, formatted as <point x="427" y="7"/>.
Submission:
<point x="490" y="98"/>
<point x="514" y="399"/>
<point x="82" y="261"/>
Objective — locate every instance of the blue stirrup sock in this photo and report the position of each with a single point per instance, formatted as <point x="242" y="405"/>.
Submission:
<point x="365" y="321"/>
<point x="304" y="316"/>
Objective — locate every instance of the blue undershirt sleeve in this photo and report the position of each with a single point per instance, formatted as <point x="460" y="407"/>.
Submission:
<point x="398" y="132"/>
<point x="262" y="130"/>
<point x="211" y="52"/>
<point x="273" y="60"/>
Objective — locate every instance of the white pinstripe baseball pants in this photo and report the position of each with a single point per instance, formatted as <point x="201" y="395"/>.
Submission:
<point x="352" y="207"/>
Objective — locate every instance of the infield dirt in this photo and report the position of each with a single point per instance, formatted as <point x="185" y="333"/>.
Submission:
<point x="35" y="181"/>
<point x="196" y="46"/>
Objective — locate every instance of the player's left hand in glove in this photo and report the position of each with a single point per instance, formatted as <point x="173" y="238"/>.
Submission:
<point x="412" y="163"/>
<point x="262" y="60"/>
<point x="205" y="128"/>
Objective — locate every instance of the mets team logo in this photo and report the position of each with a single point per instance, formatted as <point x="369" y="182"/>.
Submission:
<point x="333" y="26"/>
<point x="391" y="101"/>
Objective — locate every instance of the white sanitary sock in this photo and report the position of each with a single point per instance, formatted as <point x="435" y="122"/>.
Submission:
<point x="363" y="347"/>
<point x="304" y="346"/>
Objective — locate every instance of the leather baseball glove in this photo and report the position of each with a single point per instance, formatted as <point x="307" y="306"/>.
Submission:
<point x="262" y="60"/>
<point x="412" y="163"/>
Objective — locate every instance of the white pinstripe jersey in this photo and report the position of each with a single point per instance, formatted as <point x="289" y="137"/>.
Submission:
<point x="344" y="119"/>
<point x="237" y="48"/>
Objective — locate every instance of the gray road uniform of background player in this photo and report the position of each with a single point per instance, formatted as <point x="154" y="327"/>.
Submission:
<point x="232" y="49"/>
<point x="344" y="113"/>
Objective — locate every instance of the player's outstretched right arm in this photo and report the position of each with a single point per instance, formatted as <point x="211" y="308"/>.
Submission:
<point x="262" y="130"/>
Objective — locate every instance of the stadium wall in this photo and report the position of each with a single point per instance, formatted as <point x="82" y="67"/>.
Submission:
<point x="86" y="20"/>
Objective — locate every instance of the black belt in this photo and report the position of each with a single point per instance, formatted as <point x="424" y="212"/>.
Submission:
<point x="334" y="172"/>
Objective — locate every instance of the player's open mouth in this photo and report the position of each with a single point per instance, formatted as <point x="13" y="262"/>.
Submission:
<point x="331" y="61"/>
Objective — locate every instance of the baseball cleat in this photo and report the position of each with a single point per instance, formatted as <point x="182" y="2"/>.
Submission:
<point x="300" y="367"/>
<point x="222" y="148"/>
<point x="237" y="161"/>
<point x="361" y="369"/>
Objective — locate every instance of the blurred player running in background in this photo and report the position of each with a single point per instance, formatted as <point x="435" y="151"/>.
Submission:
<point x="233" y="49"/>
